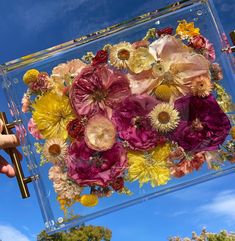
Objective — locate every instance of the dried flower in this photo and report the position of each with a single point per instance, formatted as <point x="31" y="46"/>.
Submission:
<point x="203" y="126"/>
<point x="64" y="187"/>
<point x="89" y="200"/>
<point x="216" y="71"/>
<point x="164" y="117"/>
<point x="64" y="73"/>
<point x="164" y="31"/>
<point x="87" y="167"/>
<point x="100" y="133"/>
<point x="163" y="92"/>
<point x="201" y="86"/>
<point x="76" y="127"/>
<point x="30" y="76"/>
<point x="42" y="84"/>
<point x="55" y="151"/>
<point x="149" y="166"/>
<point x="176" y="65"/>
<point x="133" y="124"/>
<point x="98" y="90"/>
<point x="141" y="60"/>
<point x="100" y="58"/>
<point x="25" y="103"/>
<point x="51" y="114"/>
<point x="187" y="30"/>
<point x="33" y="129"/>
<point x="197" y="42"/>
<point x="120" y="54"/>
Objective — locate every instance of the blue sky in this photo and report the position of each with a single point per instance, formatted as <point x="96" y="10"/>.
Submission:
<point x="28" y="26"/>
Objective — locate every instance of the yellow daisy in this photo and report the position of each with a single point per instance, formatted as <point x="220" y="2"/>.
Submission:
<point x="120" y="54"/>
<point x="187" y="30"/>
<point x="164" y="117"/>
<point x="55" y="150"/>
<point x="51" y="113"/>
<point x="150" y="166"/>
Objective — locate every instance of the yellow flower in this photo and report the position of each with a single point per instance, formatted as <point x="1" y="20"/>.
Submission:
<point x="89" y="200"/>
<point x="30" y="76"/>
<point x="150" y="166"/>
<point x="163" y="92"/>
<point x="233" y="132"/>
<point x="141" y="60"/>
<point x="186" y="30"/>
<point x="51" y="113"/>
<point x="120" y="54"/>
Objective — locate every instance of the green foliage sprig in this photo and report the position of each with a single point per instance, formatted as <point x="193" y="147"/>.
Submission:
<point x="83" y="233"/>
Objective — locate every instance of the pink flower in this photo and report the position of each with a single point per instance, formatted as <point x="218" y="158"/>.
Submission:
<point x="203" y="46"/>
<point x="33" y="130"/>
<point x="25" y="103"/>
<point x="186" y="166"/>
<point x="141" y="43"/>
<point x="42" y="84"/>
<point x="203" y="126"/>
<point x="88" y="167"/>
<point x="133" y="124"/>
<point x="216" y="71"/>
<point x="209" y="51"/>
<point x="98" y="90"/>
<point x="198" y="42"/>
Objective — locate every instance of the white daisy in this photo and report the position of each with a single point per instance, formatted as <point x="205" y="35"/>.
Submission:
<point x="55" y="150"/>
<point x="120" y="54"/>
<point x="164" y="117"/>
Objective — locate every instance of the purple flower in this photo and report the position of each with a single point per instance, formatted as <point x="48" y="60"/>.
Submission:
<point x="204" y="126"/>
<point x="98" y="89"/>
<point x="88" y="167"/>
<point x="133" y="124"/>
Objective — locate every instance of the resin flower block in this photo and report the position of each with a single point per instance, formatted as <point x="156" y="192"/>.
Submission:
<point x="127" y="114"/>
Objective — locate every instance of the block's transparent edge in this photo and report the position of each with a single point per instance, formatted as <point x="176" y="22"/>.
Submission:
<point x="39" y="188"/>
<point x="170" y="189"/>
<point x="38" y="56"/>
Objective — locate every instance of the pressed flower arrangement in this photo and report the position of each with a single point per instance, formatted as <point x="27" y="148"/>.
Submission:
<point x="147" y="111"/>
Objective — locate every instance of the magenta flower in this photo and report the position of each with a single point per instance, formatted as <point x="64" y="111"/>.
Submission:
<point x="133" y="124"/>
<point x="88" y="167"/>
<point x="98" y="90"/>
<point x="203" y="127"/>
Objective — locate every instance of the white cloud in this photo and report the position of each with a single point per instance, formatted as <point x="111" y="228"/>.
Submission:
<point x="9" y="233"/>
<point x="223" y="205"/>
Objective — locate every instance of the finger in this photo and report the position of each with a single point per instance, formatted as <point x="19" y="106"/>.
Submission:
<point x="7" y="141"/>
<point x="1" y="126"/>
<point x="6" y="168"/>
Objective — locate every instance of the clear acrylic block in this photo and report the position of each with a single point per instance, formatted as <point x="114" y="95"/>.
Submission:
<point x="166" y="62"/>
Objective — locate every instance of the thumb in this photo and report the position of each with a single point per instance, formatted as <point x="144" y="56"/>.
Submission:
<point x="6" y="168"/>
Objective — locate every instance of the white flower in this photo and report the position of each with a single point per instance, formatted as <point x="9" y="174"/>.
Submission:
<point x="164" y="117"/>
<point x="55" y="150"/>
<point x="64" y="187"/>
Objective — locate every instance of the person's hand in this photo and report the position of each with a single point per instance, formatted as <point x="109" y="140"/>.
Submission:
<point x="7" y="141"/>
